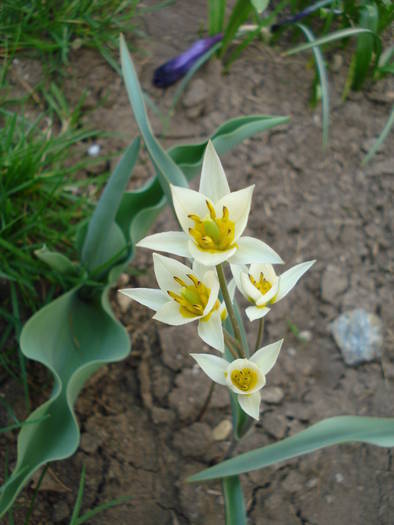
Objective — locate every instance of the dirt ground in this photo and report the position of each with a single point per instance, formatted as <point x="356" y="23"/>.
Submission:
<point x="142" y="428"/>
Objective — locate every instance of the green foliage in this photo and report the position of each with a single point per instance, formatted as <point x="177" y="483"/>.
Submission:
<point x="331" y="431"/>
<point x="234" y="504"/>
<point x="382" y="137"/>
<point x="216" y="12"/>
<point x="53" y="29"/>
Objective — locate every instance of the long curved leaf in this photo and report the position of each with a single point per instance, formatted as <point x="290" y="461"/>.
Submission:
<point x="369" y="19"/>
<point x="331" y="431"/>
<point x="382" y="137"/>
<point x="321" y="70"/>
<point x="72" y="337"/>
<point x="167" y="170"/>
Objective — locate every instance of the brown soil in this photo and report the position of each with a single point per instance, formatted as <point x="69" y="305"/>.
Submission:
<point x="142" y="430"/>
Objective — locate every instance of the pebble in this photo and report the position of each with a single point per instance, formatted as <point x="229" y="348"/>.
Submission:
<point x="333" y="284"/>
<point x="193" y="441"/>
<point x="222" y="430"/>
<point x="272" y="395"/>
<point x="359" y="336"/>
<point x="123" y="302"/>
<point x="94" y="150"/>
<point x="275" y="425"/>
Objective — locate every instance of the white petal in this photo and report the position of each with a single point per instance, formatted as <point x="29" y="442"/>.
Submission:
<point x="200" y="269"/>
<point x="231" y="289"/>
<point x="211" y="331"/>
<point x="215" y="367"/>
<point x="266" y="269"/>
<point x="289" y="279"/>
<point x="266" y="357"/>
<point x="237" y="270"/>
<point x="149" y="297"/>
<point x="207" y="258"/>
<point x="250" y="403"/>
<point x="170" y="314"/>
<point x="166" y="269"/>
<point x="254" y="313"/>
<point x="264" y="299"/>
<point x="169" y="242"/>
<point x="239" y="364"/>
<point x="238" y="204"/>
<point x="249" y="290"/>
<point x="188" y="201"/>
<point x="213" y="182"/>
<point x="211" y="280"/>
<point x="252" y="250"/>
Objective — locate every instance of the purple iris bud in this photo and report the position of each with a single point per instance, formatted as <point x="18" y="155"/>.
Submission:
<point x="168" y="73"/>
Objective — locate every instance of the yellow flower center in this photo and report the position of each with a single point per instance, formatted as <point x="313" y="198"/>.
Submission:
<point x="212" y="233"/>
<point x="262" y="284"/>
<point x="193" y="298"/>
<point x="244" y="379"/>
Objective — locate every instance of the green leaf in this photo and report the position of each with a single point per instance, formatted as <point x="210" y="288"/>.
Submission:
<point x="104" y="238"/>
<point x="57" y="261"/>
<point x="382" y="137"/>
<point x="167" y="170"/>
<point x="239" y="15"/>
<point x="260" y="5"/>
<point x="321" y="70"/>
<point x="228" y="135"/>
<point x="331" y="431"/>
<point x="104" y="506"/>
<point x="234" y="504"/>
<point x="337" y="35"/>
<point x="78" y="501"/>
<point x="72" y="336"/>
<point x="216" y="12"/>
<point x="369" y="19"/>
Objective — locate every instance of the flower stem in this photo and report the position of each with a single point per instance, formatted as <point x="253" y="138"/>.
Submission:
<point x="232" y="339"/>
<point x="260" y="334"/>
<point x="206" y="402"/>
<point x="229" y="345"/>
<point x="230" y="309"/>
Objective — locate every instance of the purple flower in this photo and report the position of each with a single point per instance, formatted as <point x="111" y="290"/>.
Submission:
<point x="168" y="73"/>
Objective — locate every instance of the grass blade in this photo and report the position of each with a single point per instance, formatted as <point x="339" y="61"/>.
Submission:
<point x="78" y="501"/>
<point x="322" y="72"/>
<point x="239" y="15"/>
<point x="216" y="11"/>
<point x="369" y="18"/>
<point x="382" y="137"/>
<point x="104" y="506"/>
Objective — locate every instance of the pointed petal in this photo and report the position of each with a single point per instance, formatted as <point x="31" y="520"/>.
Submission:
<point x="254" y="313"/>
<point x="250" y="403"/>
<point x="166" y="269"/>
<point x="231" y="289"/>
<point x="289" y="279"/>
<point x="266" y="357"/>
<point x="207" y="258"/>
<point x="249" y="290"/>
<point x="170" y="314"/>
<point x="200" y="269"/>
<point x="188" y="201"/>
<point x="149" y="297"/>
<point x="266" y="269"/>
<point x="169" y="242"/>
<point x="238" y="204"/>
<point x="213" y="182"/>
<point x="212" y="282"/>
<point x="211" y="331"/>
<point x="237" y="270"/>
<point x="251" y="250"/>
<point x="215" y="367"/>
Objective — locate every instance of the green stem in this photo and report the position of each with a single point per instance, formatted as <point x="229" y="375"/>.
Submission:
<point x="232" y="339"/>
<point x="230" y="309"/>
<point x="260" y="334"/>
<point x="229" y="345"/>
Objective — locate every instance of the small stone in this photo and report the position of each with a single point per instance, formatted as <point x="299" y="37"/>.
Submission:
<point x="337" y="62"/>
<point x="329" y="499"/>
<point x="293" y="483"/>
<point x="196" y="94"/>
<point x="123" y="280"/>
<point x="94" y="150"/>
<point x="358" y="335"/>
<point x="90" y="442"/>
<point x="333" y="284"/>
<point x="272" y="395"/>
<point x="305" y="335"/>
<point x="222" y="430"/>
<point x="123" y="302"/>
<point x="162" y="415"/>
<point x="339" y="477"/>
<point x="311" y="483"/>
<point x="275" y="425"/>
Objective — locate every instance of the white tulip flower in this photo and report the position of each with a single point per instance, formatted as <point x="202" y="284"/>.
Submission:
<point x="213" y="220"/>
<point x="261" y="286"/>
<point x="185" y="295"/>
<point x="245" y="377"/>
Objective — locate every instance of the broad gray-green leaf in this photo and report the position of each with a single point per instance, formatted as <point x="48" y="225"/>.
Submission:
<point x="72" y="337"/>
<point x="57" y="261"/>
<point x="168" y="171"/>
<point x="104" y="239"/>
<point x="331" y="431"/>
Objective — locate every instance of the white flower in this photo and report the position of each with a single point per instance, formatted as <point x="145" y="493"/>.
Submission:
<point x="213" y="220"/>
<point x="245" y="377"/>
<point x="261" y="286"/>
<point x="185" y="295"/>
